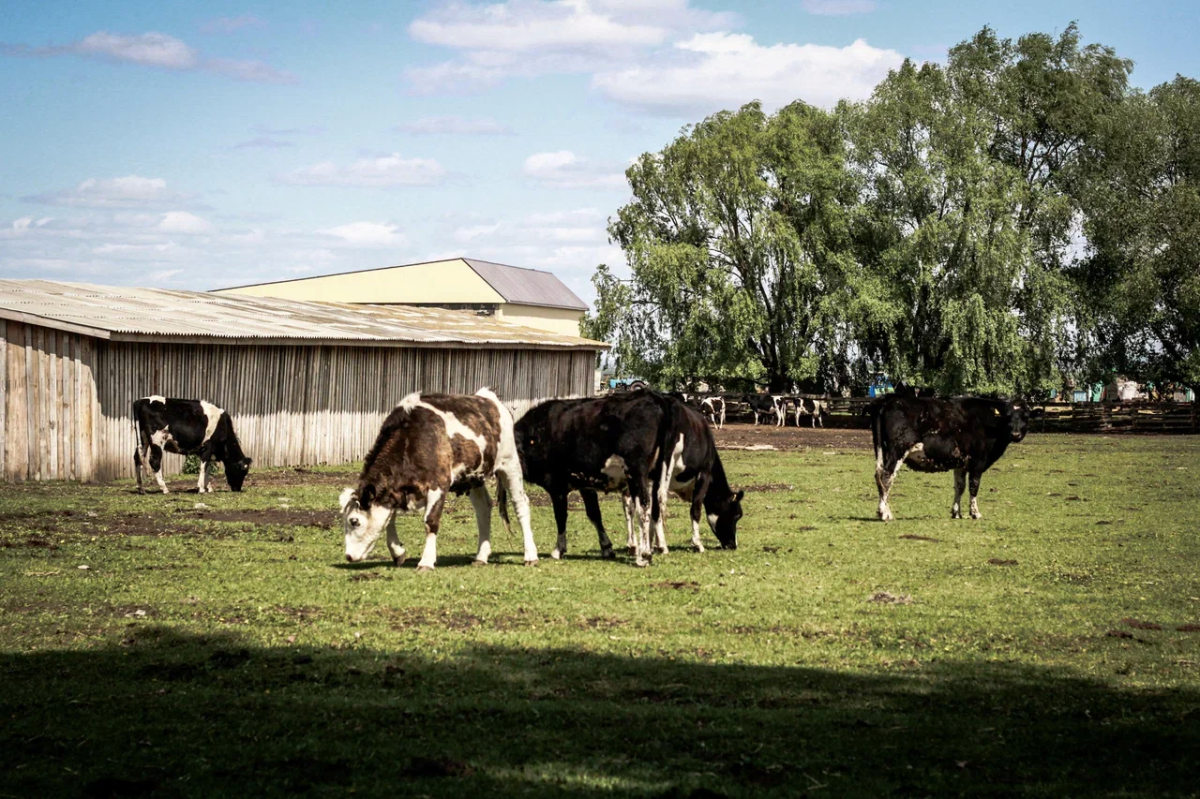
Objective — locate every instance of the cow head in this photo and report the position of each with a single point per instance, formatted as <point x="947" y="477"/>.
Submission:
<point x="363" y="520"/>
<point x="725" y="518"/>
<point x="532" y="448"/>
<point x="236" y="471"/>
<point x="1020" y="416"/>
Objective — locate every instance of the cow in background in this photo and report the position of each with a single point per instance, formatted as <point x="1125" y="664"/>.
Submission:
<point x="186" y="427"/>
<point x="811" y="407"/>
<point x="965" y="434"/>
<point x="714" y="409"/>
<point x="430" y="445"/>
<point x="762" y="405"/>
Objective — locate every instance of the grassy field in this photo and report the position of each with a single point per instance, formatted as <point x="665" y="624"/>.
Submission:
<point x="1050" y="649"/>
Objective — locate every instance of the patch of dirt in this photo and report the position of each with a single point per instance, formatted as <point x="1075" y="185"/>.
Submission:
<point x="768" y="487"/>
<point x="1118" y="634"/>
<point x="1138" y="624"/>
<point x="692" y="584"/>
<point x="362" y="577"/>
<point x="740" y="436"/>
<point x="1188" y="628"/>
<point x="1002" y="561"/>
<point x="911" y="537"/>
<point x="32" y="543"/>
<point x="601" y="623"/>
<point x="299" y="476"/>
<point x="443" y="618"/>
<point x="888" y="598"/>
<point x="295" y="518"/>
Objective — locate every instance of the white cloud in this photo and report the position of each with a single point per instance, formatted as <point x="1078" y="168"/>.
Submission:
<point x="380" y="172"/>
<point x="838" y="8"/>
<point x="430" y="126"/>
<point x="153" y="49"/>
<point x="564" y="170"/>
<point x="263" y="141"/>
<point x="23" y="226"/>
<point x="531" y="37"/>
<point x="183" y="222"/>
<point x="712" y="71"/>
<point x="368" y="234"/>
<point x="131" y="191"/>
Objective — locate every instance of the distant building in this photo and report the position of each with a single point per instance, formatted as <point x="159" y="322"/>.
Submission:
<point x="526" y="297"/>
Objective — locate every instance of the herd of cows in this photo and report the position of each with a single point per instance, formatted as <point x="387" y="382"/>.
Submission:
<point x="643" y="444"/>
<point x="773" y="407"/>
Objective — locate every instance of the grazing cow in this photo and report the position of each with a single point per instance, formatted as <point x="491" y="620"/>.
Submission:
<point x="691" y="469"/>
<point x="762" y="405"/>
<point x="619" y="443"/>
<point x="430" y="445"/>
<point x="714" y="409"/>
<point x="966" y="434"/>
<point x="186" y="427"/>
<point x="811" y="407"/>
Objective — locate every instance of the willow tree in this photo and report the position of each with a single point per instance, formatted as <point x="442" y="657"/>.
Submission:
<point x="738" y="240"/>
<point x="969" y="209"/>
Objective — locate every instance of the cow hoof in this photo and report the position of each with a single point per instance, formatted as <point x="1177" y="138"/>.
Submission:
<point x="531" y="563"/>
<point x="660" y="550"/>
<point x="631" y="550"/>
<point x="976" y="515"/>
<point x="698" y="548"/>
<point x="424" y="569"/>
<point x="955" y="514"/>
<point x="479" y="563"/>
<point x="555" y="554"/>
<point x="641" y="564"/>
<point x="398" y="560"/>
<point x="608" y="554"/>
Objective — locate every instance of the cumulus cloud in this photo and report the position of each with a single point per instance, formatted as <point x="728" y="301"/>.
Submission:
<point x="368" y="234"/>
<point x="153" y="49"/>
<point x="446" y="125"/>
<point x="563" y="169"/>
<point x="838" y="8"/>
<point x="183" y="222"/>
<point x="530" y="37"/>
<point x="711" y="71"/>
<point x="380" y="172"/>
<point x="131" y="191"/>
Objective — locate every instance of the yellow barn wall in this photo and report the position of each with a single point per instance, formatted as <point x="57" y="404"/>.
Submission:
<point x="438" y="282"/>
<point x="554" y="320"/>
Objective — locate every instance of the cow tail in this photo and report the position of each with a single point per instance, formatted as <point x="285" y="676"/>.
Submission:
<point x="502" y="504"/>
<point x="874" y="410"/>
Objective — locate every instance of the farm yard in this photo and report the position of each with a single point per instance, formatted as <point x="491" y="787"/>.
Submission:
<point x="187" y="645"/>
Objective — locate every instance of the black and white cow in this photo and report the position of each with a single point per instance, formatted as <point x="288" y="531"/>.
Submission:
<point x="186" y="427"/>
<point x="691" y="469"/>
<point x="811" y="407"/>
<point x="714" y="409"/>
<point x="964" y="434"/>
<point x="429" y="446"/>
<point x="763" y="405"/>
<point x="619" y="443"/>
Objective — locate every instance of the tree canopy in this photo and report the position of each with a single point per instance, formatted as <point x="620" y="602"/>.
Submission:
<point x="1015" y="220"/>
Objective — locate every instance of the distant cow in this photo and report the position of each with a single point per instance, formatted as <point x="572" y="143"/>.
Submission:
<point x="763" y="405"/>
<point x="714" y="409"/>
<point x="966" y="434"/>
<point x="811" y="407"/>
<point x="430" y="445"/>
<point x="620" y="443"/>
<point x="186" y="427"/>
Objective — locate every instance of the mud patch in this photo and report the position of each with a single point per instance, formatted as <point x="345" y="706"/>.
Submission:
<point x="1188" y="628"/>
<point x="1118" y="634"/>
<point x="769" y="487"/>
<point x="1138" y="624"/>
<point x="440" y="618"/>
<point x="911" y="537"/>
<point x="888" y="598"/>
<point x="1002" y="561"/>
<point x="741" y="436"/>
<point x="278" y="516"/>
<point x="692" y="584"/>
<point x="602" y="623"/>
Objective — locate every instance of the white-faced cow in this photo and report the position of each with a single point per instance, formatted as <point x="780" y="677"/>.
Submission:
<point x="809" y="407"/>
<point x="714" y="409"/>
<point x="429" y="446"/>
<point x="624" y="443"/>
<point x="964" y="434"/>
<point x="763" y="405"/>
<point x="186" y="427"/>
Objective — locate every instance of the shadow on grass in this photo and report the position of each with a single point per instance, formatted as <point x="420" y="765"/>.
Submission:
<point x="172" y="714"/>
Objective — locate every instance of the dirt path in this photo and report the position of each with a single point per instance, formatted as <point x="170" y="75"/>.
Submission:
<point x="743" y="436"/>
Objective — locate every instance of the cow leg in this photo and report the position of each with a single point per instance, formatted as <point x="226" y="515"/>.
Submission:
<point x="975" y="477"/>
<point x="156" y="457"/>
<point x="639" y="488"/>
<point x="722" y="418"/>
<point x="659" y="507"/>
<point x="559" y="501"/>
<point x="698" y="492"/>
<point x="393" y="542"/>
<point x="137" y="468"/>
<point x="960" y="485"/>
<point x="435" y="502"/>
<point x="201" y="481"/>
<point x="591" y="504"/>
<point x="502" y="504"/>
<point x="516" y="488"/>
<point x="885" y="475"/>
<point x="483" y="520"/>
<point x="630" y="538"/>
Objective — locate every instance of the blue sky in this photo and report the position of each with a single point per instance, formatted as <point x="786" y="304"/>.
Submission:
<point x="218" y="143"/>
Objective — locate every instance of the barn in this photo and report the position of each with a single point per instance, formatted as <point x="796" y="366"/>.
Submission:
<point x="306" y="382"/>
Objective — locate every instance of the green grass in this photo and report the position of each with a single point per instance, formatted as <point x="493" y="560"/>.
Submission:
<point x="236" y="658"/>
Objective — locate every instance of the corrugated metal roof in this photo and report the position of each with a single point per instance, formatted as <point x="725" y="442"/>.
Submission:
<point x="120" y="313"/>
<point x="526" y="286"/>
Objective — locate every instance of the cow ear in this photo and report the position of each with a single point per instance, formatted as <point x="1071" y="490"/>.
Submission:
<point x="739" y="496"/>
<point x="346" y="498"/>
<point x="366" y="495"/>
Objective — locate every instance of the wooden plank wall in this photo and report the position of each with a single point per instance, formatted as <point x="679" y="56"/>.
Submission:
<point x="47" y="404"/>
<point x="296" y="406"/>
